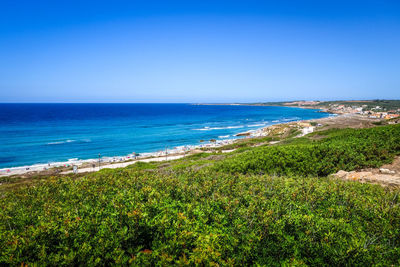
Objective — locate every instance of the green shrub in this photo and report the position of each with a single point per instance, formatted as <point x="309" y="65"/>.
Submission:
<point x="199" y="218"/>
<point x="341" y="150"/>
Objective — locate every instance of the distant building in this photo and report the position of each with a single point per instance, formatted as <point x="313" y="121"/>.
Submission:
<point x="391" y="116"/>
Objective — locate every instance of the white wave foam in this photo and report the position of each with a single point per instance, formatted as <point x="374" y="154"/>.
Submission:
<point x="234" y="127"/>
<point x="290" y="119"/>
<point x="69" y="141"/>
<point x="61" y="142"/>
<point x="224" y="136"/>
<point x="219" y="128"/>
<point x="256" y="125"/>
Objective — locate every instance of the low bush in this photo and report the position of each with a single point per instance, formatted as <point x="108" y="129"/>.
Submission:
<point x="199" y="218"/>
<point x="340" y="150"/>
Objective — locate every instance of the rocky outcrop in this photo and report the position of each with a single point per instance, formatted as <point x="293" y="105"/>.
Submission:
<point x="387" y="179"/>
<point x="244" y="134"/>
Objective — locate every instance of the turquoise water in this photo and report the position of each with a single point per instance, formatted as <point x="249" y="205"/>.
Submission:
<point x="45" y="133"/>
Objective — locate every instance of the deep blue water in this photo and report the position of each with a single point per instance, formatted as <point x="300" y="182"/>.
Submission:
<point x="42" y="133"/>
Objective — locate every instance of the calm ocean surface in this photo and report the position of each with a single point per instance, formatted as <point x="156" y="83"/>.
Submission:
<point x="43" y="133"/>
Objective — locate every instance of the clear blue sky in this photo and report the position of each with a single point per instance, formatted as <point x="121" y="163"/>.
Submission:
<point x="198" y="51"/>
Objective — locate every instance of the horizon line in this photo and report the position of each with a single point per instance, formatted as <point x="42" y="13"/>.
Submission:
<point x="255" y="102"/>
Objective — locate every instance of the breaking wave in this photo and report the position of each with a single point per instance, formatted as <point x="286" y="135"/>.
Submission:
<point x="68" y="141"/>
<point x="218" y="128"/>
<point x="61" y="142"/>
<point x="256" y="125"/>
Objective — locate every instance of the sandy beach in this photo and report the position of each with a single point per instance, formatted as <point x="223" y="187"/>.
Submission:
<point x="91" y="165"/>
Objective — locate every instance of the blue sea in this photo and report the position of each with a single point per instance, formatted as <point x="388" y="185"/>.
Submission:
<point x="45" y="133"/>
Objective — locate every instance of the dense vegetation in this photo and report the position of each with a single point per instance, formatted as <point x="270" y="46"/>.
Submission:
<point x="340" y="150"/>
<point x="213" y="210"/>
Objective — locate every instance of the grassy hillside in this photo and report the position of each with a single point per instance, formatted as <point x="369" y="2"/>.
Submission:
<point x="347" y="149"/>
<point x="253" y="206"/>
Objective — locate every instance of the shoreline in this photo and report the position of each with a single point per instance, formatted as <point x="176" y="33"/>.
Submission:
<point x="92" y="165"/>
<point x="67" y="166"/>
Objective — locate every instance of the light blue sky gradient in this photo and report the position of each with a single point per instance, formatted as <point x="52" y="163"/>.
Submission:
<point x="198" y="51"/>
